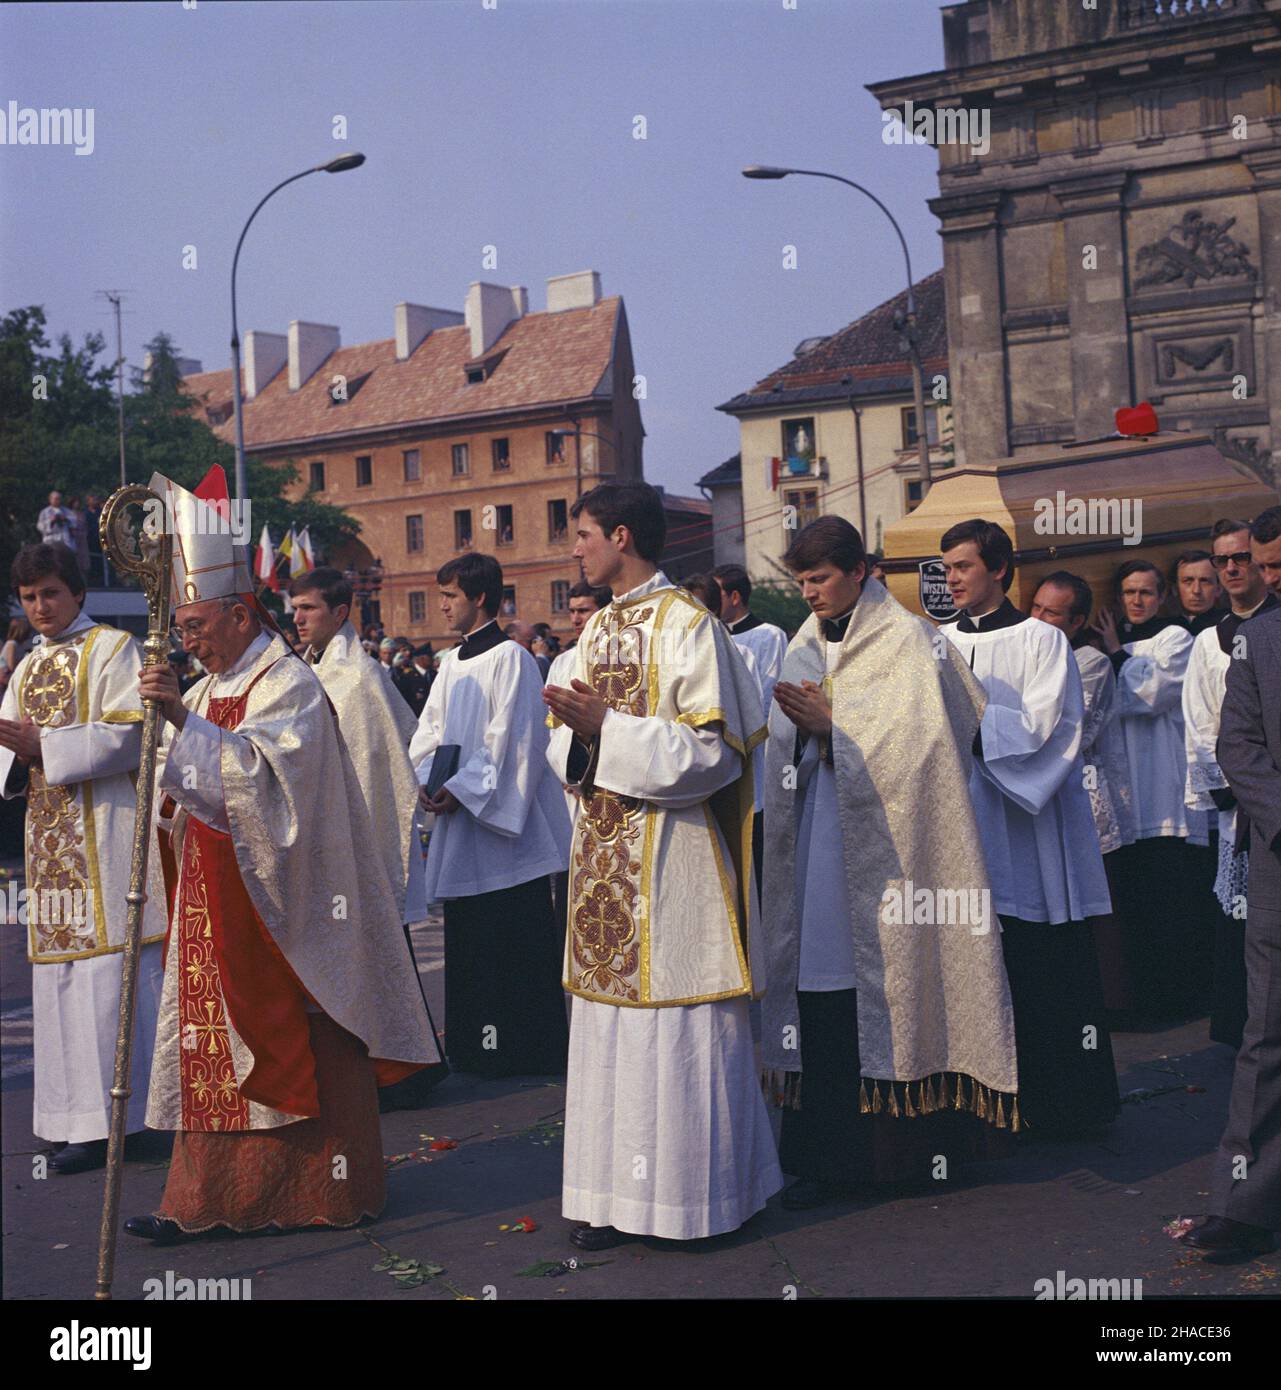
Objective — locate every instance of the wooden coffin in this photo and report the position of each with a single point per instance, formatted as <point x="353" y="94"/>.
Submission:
<point x="1072" y="508"/>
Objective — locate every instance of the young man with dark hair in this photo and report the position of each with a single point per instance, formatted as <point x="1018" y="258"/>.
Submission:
<point x="1064" y="600"/>
<point x="863" y="1025"/>
<point x="500" y="832"/>
<point x="1207" y="789"/>
<point x="767" y="645"/>
<point x="1195" y="591"/>
<point x="982" y="548"/>
<point x="70" y="743"/>
<point x="584" y="601"/>
<point x="666" y="1133"/>
<point x="1265" y="547"/>
<point x="1167" y="946"/>
<point x="1028" y="789"/>
<point x="376" y="726"/>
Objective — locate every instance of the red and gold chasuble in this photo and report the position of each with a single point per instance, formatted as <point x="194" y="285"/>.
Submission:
<point x="228" y="966"/>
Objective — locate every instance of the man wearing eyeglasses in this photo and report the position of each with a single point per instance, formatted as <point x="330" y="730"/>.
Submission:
<point x="288" y="995"/>
<point x="1245" y="1186"/>
<point x="1207" y="789"/>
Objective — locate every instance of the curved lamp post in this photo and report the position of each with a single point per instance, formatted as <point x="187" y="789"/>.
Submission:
<point x="334" y="166"/>
<point x="769" y="171"/>
<point x="578" y="434"/>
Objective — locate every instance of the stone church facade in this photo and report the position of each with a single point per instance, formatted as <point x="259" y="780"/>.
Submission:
<point x="1116" y="237"/>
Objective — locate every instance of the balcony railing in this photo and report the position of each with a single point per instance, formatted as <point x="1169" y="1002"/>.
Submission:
<point x="1138" y="14"/>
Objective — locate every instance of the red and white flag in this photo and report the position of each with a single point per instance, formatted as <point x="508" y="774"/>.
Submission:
<point x="265" y="562"/>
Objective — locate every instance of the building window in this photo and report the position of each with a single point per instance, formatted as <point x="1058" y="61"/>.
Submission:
<point x="317" y="476"/>
<point x="461" y="465"/>
<point x="364" y="470"/>
<point x="417" y="606"/>
<point x="558" y="520"/>
<point x="805" y="501"/>
<point x="507" y="609"/>
<point x="909" y="426"/>
<point x="413" y="534"/>
<point x="560" y="595"/>
<point x="798" y="441"/>
<point x="475" y="375"/>
<point x="506" y="532"/>
<point x="462" y="530"/>
<point x="413" y="465"/>
<point x="500" y="452"/>
<point x="911" y="495"/>
<point x="555" y="447"/>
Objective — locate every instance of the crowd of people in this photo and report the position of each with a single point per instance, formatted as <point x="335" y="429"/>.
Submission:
<point x="898" y="881"/>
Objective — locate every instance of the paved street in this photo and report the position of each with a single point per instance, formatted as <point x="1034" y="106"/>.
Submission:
<point x="1089" y="1209"/>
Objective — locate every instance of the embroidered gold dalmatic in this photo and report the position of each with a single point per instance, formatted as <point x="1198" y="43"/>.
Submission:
<point x="84" y="685"/>
<point x="662" y="907"/>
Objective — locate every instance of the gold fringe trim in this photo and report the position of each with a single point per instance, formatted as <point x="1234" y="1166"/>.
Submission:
<point x="910" y="1099"/>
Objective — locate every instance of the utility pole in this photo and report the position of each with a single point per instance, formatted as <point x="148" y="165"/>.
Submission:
<point x="114" y="297"/>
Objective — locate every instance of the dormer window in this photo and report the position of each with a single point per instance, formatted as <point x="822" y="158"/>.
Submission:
<point x="344" y="388"/>
<point x="480" y="369"/>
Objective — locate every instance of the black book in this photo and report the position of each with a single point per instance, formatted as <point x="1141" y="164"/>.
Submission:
<point x="443" y="766"/>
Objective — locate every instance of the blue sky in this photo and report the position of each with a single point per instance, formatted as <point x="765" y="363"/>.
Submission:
<point x="509" y="126"/>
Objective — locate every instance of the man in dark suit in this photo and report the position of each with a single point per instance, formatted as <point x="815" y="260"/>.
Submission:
<point x="1246" y="1179"/>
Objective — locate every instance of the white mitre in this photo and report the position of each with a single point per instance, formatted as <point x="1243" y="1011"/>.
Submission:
<point x="207" y="561"/>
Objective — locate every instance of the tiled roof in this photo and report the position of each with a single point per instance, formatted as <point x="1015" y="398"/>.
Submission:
<point x="864" y="358"/>
<point x="729" y="473"/>
<point x="671" y="502"/>
<point x="546" y="357"/>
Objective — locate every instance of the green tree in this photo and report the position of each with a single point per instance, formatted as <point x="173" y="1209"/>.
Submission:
<point x="779" y="601"/>
<point x="59" y="429"/>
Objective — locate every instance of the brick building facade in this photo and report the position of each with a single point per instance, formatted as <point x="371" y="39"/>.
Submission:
<point x="457" y="433"/>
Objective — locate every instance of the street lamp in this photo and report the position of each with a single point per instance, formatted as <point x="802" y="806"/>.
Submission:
<point x="769" y="171"/>
<point x="334" y="166"/>
<point x="577" y="434"/>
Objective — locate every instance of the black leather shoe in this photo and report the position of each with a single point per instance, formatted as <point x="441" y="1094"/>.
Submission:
<point x="80" y="1158"/>
<point x="1228" y="1241"/>
<point x="808" y="1193"/>
<point x="597" y="1237"/>
<point x="157" y="1229"/>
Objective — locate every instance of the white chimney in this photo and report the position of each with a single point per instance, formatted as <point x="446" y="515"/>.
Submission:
<point x="490" y="308"/>
<point x="578" y="291"/>
<point x="264" y="355"/>
<point x="309" y="345"/>
<point x="415" y="321"/>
